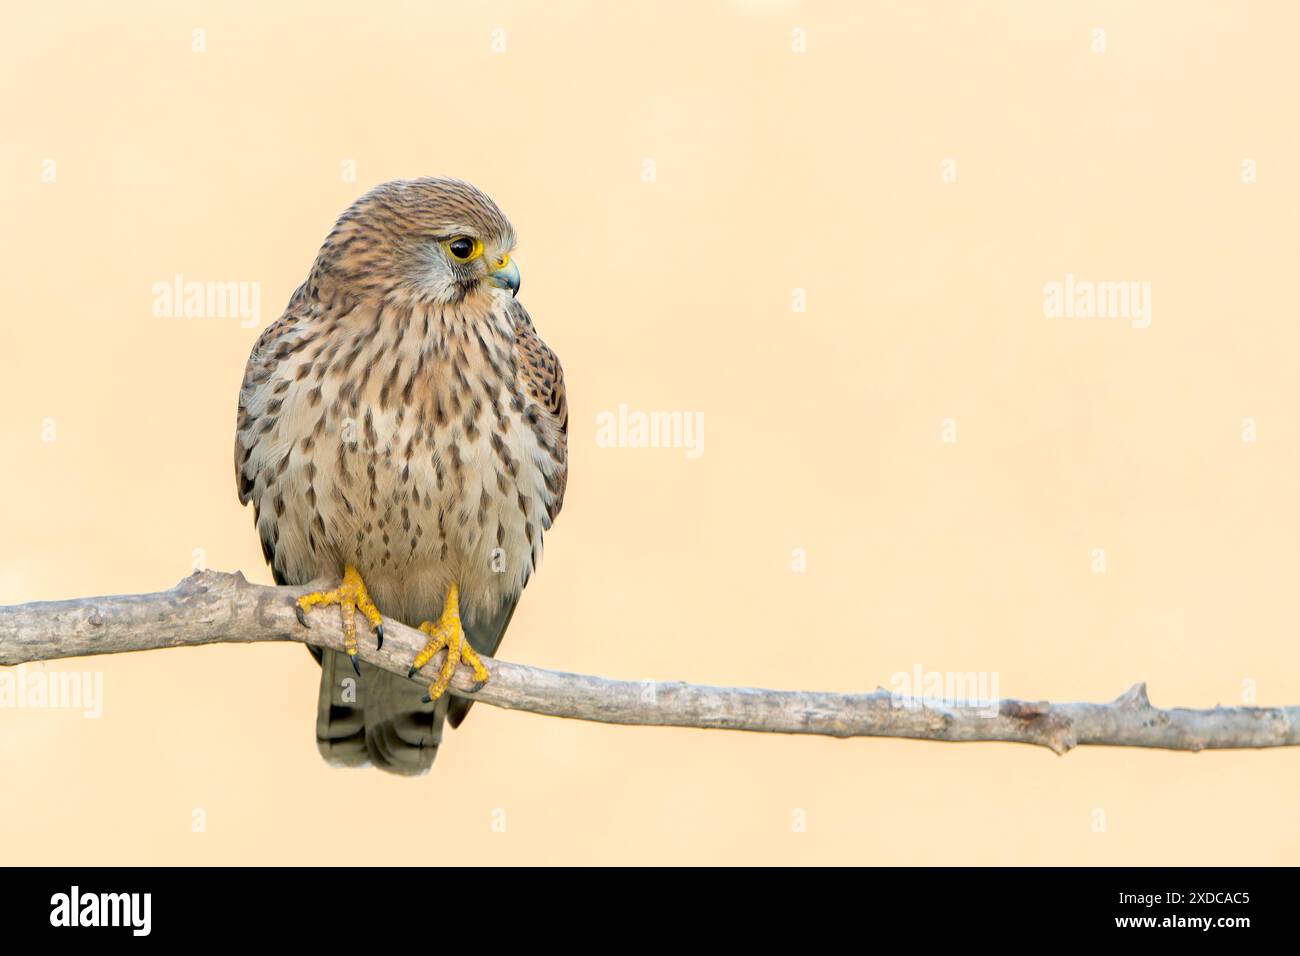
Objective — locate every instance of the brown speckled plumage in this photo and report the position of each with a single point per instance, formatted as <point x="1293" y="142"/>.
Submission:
<point x="403" y="417"/>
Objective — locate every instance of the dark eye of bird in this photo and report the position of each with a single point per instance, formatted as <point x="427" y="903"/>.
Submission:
<point x="461" y="247"/>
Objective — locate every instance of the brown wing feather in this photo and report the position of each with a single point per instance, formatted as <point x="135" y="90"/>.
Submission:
<point x="261" y="365"/>
<point x="266" y="353"/>
<point x="543" y="380"/>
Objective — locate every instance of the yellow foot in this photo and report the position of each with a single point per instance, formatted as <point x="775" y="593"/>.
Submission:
<point x="447" y="632"/>
<point x="351" y="595"/>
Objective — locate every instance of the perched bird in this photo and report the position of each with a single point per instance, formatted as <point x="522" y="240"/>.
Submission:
<point x="402" y="430"/>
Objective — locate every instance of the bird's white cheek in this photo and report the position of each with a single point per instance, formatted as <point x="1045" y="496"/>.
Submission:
<point x="433" y="278"/>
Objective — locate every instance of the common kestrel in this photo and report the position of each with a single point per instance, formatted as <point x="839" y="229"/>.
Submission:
<point x="402" y="430"/>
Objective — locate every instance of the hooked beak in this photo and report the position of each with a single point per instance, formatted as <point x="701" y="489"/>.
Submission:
<point x="506" y="276"/>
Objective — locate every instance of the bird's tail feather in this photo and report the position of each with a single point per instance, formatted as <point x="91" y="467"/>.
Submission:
<point x="375" y="718"/>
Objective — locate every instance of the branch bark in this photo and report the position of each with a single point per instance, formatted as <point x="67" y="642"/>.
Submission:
<point x="212" y="607"/>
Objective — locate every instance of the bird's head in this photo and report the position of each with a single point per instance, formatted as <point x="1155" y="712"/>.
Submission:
<point x="435" y="240"/>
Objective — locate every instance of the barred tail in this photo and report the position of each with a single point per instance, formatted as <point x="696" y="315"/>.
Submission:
<point x="377" y="718"/>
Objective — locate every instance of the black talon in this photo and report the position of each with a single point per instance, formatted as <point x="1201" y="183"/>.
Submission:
<point x="478" y="686"/>
<point x="355" y="665"/>
<point x="302" y="618"/>
<point x="426" y="699"/>
<point x="379" y="633"/>
<point x="411" y="672"/>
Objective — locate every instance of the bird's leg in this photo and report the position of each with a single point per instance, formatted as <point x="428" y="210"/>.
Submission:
<point x="350" y="595"/>
<point x="447" y="632"/>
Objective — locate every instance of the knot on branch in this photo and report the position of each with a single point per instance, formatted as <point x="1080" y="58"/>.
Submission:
<point x="1043" y="723"/>
<point x="1023" y="709"/>
<point x="206" y="581"/>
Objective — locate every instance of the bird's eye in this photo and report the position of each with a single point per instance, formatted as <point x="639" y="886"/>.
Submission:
<point x="463" y="248"/>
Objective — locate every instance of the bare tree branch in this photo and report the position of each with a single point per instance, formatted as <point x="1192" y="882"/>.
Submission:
<point x="211" y="607"/>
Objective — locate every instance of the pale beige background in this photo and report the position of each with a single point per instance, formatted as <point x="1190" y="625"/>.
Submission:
<point x="775" y="171"/>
